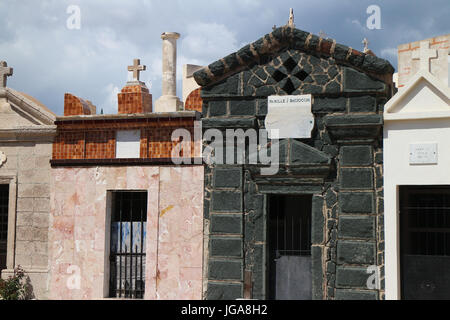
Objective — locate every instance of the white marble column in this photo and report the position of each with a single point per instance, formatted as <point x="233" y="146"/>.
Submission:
<point x="169" y="102"/>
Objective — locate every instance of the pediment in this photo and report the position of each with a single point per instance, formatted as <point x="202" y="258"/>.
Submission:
<point x="19" y="110"/>
<point x="424" y="96"/>
<point x="283" y="38"/>
<point x="297" y="159"/>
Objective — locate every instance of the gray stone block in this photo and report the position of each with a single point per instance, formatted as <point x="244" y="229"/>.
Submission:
<point x="317" y="232"/>
<point x="226" y="223"/>
<point x="325" y="105"/>
<point x="255" y="226"/>
<point x="317" y="273"/>
<point x="356" y="178"/>
<point x="217" y="68"/>
<point x="228" y="123"/>
<point x="225" y="247"/>
<point x="344" y="294"/>
<point x="352" y="277"/>
<point x="242" y="107"/>
<point x="363" y="104"/>
<point x="225" y="88"/>
<point x="217" y="108"/>
<point x="358" y="227"/>
<point x="356" y="202"/>
<point x="355" y="252"/>
<point x="262" y="107"/>
<point x="225" y="270"/>
<point x="224" y="291"/>
<point x="228" y="177"/>
<point x="226" y="201"/>
<point x="258" y="272"/>
<point x="355" y="81"/>
<point x="356" y="155"/>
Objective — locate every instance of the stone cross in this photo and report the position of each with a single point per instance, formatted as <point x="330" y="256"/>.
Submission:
<point x="291" y="18"/>
<point x="366" y="44"/>
<point x="5" y="71"/>
<point x="136" y="68"/>
<point x="424" y="54"/>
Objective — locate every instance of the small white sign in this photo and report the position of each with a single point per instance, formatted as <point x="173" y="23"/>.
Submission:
<point x="128" y="143"/>
<point x="290" y="115"/>
<point x="423" y="153"/>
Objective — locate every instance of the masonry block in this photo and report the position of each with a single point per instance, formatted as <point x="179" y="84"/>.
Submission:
<point x="355" y="81"/>
<point x="224" y="291"/>
<point x="356" y="178"/>
<point x="228" y="177"/>
<point x="225" y="247"/>
<point x="317" y="273"/>
<point x="363" y="104"/>
<point x="226" y="201"/>
<point x="356" y="202"/>
<point x="242" y="107"/>
<point x="344" y="294"/>
<point x="262" y="107"/>
<point x="359" y="227"/>
<point x="326" y="105"/>
<point x="356" y="155"/>
<point x="226" y="224"/>
<point x="217" y="108"/>
<point x="355" y="252"/>
<point x="225" y="270"/>
<point x="317" y="233"/>
<point x="352" y="277"/>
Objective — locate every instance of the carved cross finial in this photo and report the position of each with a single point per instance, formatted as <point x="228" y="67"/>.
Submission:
<point x="424" y="54"/>
<point x="5" y="72"/>
<point x="291" y="18"/>
<point x="366" y="44"/>
<point x="322" y="34"/>
<point x="136" y="68"/>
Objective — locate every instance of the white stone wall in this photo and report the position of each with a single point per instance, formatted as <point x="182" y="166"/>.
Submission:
<point x="29" y="162"/>
<point x="26" y="136"/>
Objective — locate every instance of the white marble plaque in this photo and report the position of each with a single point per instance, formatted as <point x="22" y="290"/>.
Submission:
<point x="290" y="115"/>
<point x="423" y="153"/>
<point x="128" y="144"/>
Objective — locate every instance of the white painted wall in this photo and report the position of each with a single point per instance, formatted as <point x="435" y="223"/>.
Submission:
<point x="189" y="83"/>
<point x="398" y="135"/>
<point x="128" y="143"/>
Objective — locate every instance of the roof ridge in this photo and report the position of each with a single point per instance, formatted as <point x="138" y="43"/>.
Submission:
<point x="288" y="37"/>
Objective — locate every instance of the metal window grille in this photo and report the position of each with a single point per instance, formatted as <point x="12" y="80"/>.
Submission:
<point x="4" y="201"/>
<point x="425" y="242"/>
<point x="425" y="220"/>
<point x="290" y="225"/>
<point x="127" y="252"/>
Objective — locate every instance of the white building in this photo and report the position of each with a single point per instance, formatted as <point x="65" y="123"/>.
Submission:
<point x="417" y="174"/>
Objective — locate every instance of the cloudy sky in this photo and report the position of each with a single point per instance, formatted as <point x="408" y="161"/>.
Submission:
<point x="50" y="59"/>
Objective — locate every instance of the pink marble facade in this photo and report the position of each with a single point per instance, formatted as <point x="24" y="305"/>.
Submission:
<point x="78" y="237"/>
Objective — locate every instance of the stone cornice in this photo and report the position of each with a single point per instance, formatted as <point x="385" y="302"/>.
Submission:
<point x="30" y="133"/>
<point x="288" y="37"/>
<point x="44" y="116"/>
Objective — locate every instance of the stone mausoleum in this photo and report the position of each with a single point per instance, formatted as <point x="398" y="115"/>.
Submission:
<point x="26" y="134"/>
<point x="125" y="220"/>
<point x="315" y="228"/>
